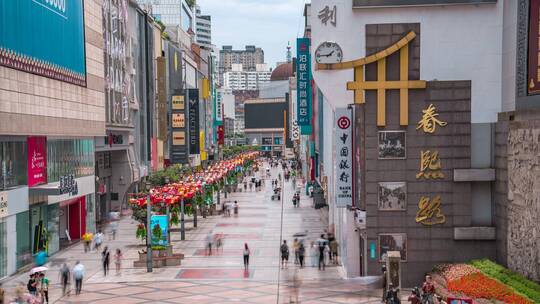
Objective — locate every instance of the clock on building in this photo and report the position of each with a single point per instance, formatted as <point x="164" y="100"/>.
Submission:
<point x="328" y="52"/>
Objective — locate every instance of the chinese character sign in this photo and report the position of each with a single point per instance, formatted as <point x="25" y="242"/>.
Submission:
<point x="328" y="14"/>
<point x="344" y="157"/>
<point x="37" y="160"/>
<point x="429" y="120"/>
<point x="303" y="82"/>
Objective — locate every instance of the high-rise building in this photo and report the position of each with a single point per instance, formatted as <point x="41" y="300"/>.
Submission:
<point x="239" y="79"/>
<point x="203" y="29"/>
<point x="248" y="58"/>
<point x="171" y="12"/>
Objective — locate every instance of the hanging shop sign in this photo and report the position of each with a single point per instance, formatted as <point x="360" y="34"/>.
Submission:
<point x="37" y="160"/>
<point x="193" y="117"/>
<point x="158" y="227"/>
<point x="68" y="185"/>
<point x="221" y="134"/>
<point x="178" y="120"/>
<point x="218" y="107"/>
<point x="303" y="84"/>
<point x="344" y="164"/>
<point x="177" y="102"/>
<point x="3" y="204"/>
<point x="179" y="138"/>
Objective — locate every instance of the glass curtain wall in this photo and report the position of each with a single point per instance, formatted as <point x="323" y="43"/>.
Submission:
<point x="3" y="249"/>
<point x="13" y="162"/>
<point x="53" y="221"/>
<point x="24" y="255"/>
<point x="69" y="156"/>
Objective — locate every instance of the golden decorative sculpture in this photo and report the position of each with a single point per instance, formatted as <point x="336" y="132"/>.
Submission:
<point x="429" y="211"/>
<point x="429" y="120"/>
<point x="359" y="85"/>
<point x="430" y="165"/>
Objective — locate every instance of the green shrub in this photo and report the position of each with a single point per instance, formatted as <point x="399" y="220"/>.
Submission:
<point x="506" y="276"/>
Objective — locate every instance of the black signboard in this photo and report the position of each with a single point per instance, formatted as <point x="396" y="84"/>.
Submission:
<point x="193" y="120"/>
<point x="383" y="3"/>
<point x="68" y="184"/>
<point x="175" y="68"/>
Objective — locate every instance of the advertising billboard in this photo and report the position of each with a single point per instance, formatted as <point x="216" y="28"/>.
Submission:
<point x="37" y="160"/>
<point x="303" y="84"/>
<point x="193" y="120"/>
<point x="344" y="161"/>
<point x="44" y="37"/>
<point x="158" y="226"/>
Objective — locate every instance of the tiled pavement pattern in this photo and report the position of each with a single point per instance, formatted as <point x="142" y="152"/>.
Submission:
<point x="220" y="277"/>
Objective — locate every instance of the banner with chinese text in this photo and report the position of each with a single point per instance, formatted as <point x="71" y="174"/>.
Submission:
<point x="344" y="160"/>
<point x="303" y="84"/>
<point x="37" y="160"/>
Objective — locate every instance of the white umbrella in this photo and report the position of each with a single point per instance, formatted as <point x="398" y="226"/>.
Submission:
<point x="38" y="269"/>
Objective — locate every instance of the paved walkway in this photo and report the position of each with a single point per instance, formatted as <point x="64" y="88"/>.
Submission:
<point x="220" y="277"/>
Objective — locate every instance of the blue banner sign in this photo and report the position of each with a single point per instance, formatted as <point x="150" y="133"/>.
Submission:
<point x="158" y="226"/>
<point x="44" y="37"/>
<point x="303" y="83"/>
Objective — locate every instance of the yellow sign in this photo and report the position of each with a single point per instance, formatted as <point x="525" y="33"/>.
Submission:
<point x="178" y="138"/>
<point x="205" y="88"/>
<point x="429" y="120"/>
<point x="201" y="142"/>
<point x="178" y="102"/>
<point x="359" y="85"/>
<point x="430" y="165"/>
<point x="429" y="211"/>
<point x="178" y="120"/>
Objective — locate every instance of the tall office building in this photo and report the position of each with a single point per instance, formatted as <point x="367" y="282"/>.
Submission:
<point x="248" y="58"/>
<point x="203" y="29"/>
<point x="171" y="12"/>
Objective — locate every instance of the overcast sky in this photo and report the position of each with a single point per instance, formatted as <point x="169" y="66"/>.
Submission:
<point x="268" y="24"/>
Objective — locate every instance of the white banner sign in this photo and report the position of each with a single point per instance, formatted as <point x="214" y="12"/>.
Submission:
<point x="344" y="157"/>
<point x="295" y="132"/>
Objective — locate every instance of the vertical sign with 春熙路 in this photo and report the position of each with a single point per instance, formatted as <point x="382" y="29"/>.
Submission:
<point x="344" y="160"/>
<point x="303" y="85"/>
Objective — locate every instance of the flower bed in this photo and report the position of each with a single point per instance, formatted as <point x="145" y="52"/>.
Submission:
<point x="478" y="285"/>
<point x="484" y="280"/>
<point x="510" y="278"/>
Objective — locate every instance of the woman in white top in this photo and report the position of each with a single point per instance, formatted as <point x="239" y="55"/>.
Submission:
<point x="246" y="256"/>
<point x="314" y="254"/>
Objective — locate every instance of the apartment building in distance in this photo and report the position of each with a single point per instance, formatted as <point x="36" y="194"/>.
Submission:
<point x="203" y="29"/>
<point x="240" y="79"/>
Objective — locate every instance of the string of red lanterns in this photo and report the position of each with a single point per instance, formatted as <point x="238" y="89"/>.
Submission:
<point x="192" y="184"/>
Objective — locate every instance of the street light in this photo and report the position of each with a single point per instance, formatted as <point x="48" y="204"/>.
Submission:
<point x="168" y="218"/>
<point x="148" y="229"/>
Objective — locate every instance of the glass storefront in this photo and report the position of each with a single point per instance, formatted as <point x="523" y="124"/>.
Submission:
<point x="90" y="213"/>
<point x="3" y="249"/>
<point x="53" y="222"/>
<point x="13" y="162"/>
<point x="69" y="156"/>
<point x="23" y="253"/>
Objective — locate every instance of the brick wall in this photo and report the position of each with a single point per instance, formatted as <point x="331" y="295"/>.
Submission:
<point x="36" y="105"/>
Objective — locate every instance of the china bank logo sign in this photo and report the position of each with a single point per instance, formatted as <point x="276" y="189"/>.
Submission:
<point x="56" y="6"/>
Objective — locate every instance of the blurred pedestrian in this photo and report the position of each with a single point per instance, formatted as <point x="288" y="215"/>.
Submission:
<point x="327" y="254"/>
<point x="334" y="251"/>
<point x="118" y="260"/>
<point x="295" y="246"/>
<point x="78" y="275"/>
<point x="235" y="208"/>
<point x="414" y="297"/>
<point x="105" y="259"/>
<point x="64" y="279"/>
<point x="219" y="243"/>
<point x="428" y="290"/>
<point x="284" y="249"/>
<point x="314" y="254"/>
<point x="301" y="254"/>
<point x="209" y="240"/>
<point x="321" y="243"/>
<point x="114" y="228"/>
<point x="2" y="294"/>
<point x="44" y="287"/>
<point x="384" y="283"/>
<point x="32" y="284"/>
<point x="98" y="240"/>
<point x="247" y="253"/>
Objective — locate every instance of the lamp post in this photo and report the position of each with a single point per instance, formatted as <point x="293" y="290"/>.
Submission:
<point x="182" y="227"/>
<point x="148" y="229"/>
<point x="168" y="217"/>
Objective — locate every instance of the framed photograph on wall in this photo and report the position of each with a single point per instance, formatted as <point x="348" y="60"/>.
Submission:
<point x="392" y="196"/>
<point x="392" y="145"/>
<point x="393" y="242"/>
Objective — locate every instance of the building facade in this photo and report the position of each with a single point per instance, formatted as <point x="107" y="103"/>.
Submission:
<point x="203" y="29"/>
<point x="249" y="58"/>
<point x="392" y="188"/>
<point x="55" y="106"/>
<point x="246" y="80"/>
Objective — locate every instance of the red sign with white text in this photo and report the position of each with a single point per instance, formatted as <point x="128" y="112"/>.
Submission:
<point x="37" y="160"/>
<point x="221" y="135"/>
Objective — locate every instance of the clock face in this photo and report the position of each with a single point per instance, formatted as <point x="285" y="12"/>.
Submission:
<point x="328" y="52"/>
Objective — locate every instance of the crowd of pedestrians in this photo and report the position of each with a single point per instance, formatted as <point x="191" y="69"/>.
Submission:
<point x="322" y="252"/>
